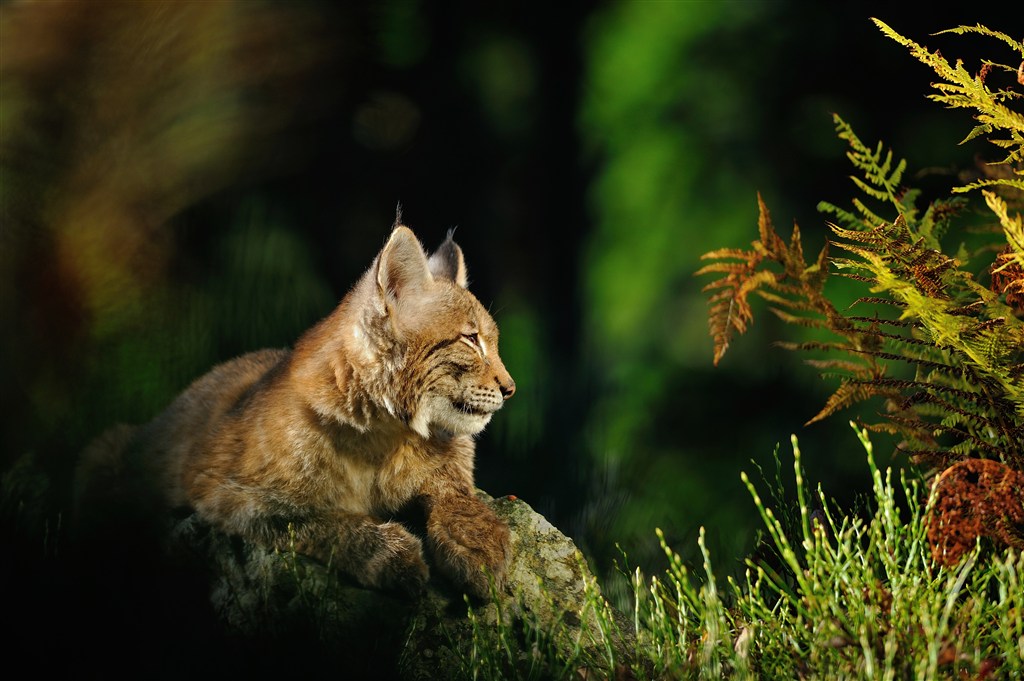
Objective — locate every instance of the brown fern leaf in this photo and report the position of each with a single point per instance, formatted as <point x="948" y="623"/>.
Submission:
<point x="901" y="384"/>
<point x="869" y="331"/>
<point x="848" y="393"/>
<point x="918" y="431"/>
<point x="928" y="269"/>
<point x="905" y="323"/>
<point x="840" y="364"/>
<point x="729" y="308"/>
<point x="772" y="269"/>
<point x="856" y="277"/>
<point x="870" y="300"/>
<point x="895" y="357"/>
<point x="797" y="320"/>
<point x="977" y="421"/>
<point x="1008" y="279"/>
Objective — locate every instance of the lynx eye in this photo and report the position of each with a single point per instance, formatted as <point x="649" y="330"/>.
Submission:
<point x="474" y="341"/>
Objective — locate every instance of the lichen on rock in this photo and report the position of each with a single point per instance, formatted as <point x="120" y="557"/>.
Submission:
<point x="282" y="602"/>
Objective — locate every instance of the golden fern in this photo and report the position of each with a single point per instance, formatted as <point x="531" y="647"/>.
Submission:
<point x="962" y="342"/>
<point x="960" y="89"/>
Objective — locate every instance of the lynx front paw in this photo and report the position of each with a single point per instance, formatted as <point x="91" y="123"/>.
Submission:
<point x="470" y="544"/>
<point x="395" y="561"/>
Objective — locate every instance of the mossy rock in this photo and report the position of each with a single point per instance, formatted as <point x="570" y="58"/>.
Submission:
<point x="288" y="607"/>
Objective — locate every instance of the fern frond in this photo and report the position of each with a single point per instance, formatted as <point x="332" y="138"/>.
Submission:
<point x="983" y="184"/>
<point x="868" y="216"/>
<point x="880" y="181"/>
<point x="895" y="337"/>
<point x="903" y="384"/>
<point x="982" y="30"/>
<point x="721" y="253"/>
<point x="839" y="364"/>
<point x="962" y="90"/>
<point x="808" y="322"/>
<point x="848" y="393"/>
<point x="774" y="270"/>
<point x="904" y="323"/>
<point x="1013" y="227"/>
<point x="844" y="217"/>
<point x="938" y="218"/>
<point x="869" y="300"/>
<point x="730" y="312"/>
<point x="792" y="303"/>
<point x="856" y="277"/>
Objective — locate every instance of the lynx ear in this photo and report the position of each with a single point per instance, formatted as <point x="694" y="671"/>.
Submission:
<point x="402" y="265"/>
<point x="447" y="262"/>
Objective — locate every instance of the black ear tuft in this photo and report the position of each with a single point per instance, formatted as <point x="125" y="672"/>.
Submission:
<point x="398" y="215"/>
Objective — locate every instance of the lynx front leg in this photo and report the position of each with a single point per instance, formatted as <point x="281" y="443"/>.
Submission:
<point x="469" y="543"/>
<point x="378" y="555"/>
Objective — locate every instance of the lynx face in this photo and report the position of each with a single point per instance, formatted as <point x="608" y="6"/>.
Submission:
<point x="461" y="377"/>
<point x="449" y="375"/>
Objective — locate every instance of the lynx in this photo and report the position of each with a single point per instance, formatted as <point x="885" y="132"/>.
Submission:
<point x="320" y="447"/>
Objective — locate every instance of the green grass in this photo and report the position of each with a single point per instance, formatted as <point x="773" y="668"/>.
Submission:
<point x="835" y="596"/>
<point x="526" y="647"/>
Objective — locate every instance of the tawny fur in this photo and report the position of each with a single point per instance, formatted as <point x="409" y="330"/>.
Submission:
<point x="317" y="448"/>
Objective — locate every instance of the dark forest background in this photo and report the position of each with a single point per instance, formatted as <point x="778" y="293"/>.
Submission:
<point x="185" y="182"/>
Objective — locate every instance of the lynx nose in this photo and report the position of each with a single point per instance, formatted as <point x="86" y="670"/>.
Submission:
<point x="507" y="388"/>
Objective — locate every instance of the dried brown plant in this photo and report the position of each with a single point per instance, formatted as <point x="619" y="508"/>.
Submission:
<point x="976" y="498"/>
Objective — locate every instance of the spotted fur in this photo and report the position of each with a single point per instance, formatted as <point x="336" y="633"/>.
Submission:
<point x="317" y="449"/>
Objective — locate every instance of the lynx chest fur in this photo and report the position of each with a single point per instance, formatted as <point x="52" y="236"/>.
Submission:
<point x="317" y="448"/>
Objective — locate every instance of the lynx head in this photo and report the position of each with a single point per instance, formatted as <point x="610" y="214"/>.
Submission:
<point x="435" y="344"/>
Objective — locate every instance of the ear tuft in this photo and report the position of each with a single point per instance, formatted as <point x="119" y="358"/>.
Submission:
<point x="402" y="265"/>
<point x="398" y="216"/>
<point x="447" y="262"/>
